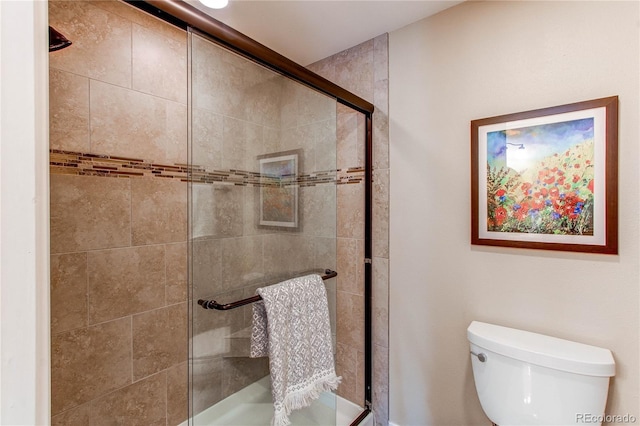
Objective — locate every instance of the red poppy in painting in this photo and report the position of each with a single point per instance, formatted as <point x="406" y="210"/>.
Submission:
<point x="537" y="204"/>
<point x="501" y="215"/>
<point x="521" y="212"/>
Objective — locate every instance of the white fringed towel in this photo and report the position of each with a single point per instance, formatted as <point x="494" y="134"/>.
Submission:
<point x="291" y="327"/>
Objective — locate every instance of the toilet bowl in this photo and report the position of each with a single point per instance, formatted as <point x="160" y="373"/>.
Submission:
<point x="524" y="378"/>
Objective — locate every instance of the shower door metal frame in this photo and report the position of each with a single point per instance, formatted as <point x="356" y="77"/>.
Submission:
<point x="183" y="15"/>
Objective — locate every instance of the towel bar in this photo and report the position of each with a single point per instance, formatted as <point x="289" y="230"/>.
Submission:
<point x="212" y="304"/>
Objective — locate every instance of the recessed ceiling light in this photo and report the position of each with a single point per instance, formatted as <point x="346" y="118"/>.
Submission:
<point x="215" y="4"/>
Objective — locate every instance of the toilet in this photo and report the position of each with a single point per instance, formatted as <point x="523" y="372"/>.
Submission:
<point x="524" y="378"/>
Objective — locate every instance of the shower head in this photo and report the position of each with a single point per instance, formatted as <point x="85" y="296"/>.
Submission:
<point x="57" y="41"/>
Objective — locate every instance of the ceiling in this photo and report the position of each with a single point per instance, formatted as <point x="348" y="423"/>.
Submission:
<point x="306" y="31"/>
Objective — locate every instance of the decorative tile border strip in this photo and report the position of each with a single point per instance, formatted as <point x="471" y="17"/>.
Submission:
<point x="82" y="164"/>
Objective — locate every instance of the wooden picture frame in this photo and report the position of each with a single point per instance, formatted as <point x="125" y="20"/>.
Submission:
<point x="547" y="178"/>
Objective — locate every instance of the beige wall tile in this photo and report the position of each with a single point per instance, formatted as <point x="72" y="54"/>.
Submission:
<point x="177" y="394"/>
<point x="287" y="254"/>
<point x="346" y="367"/>
<point x="150" y="49"/>
<point x="362" y="137"/>
<point x="207" y="128"/>
<point x="218" y="79"/>
<point x="314" y="106"/>
<point x="318" y="210"/>
<point x="78" y="416"/>
<point x="204" y="223"/>
<point x="351" y="211"/>
<point x="251" y="212"/>
<point x="325" y="68"/>
<point x="159" y="340"/>
<point x="206" y="382"/>
<point x="380" y="214"/>
<point x="347" y="138"/>
<point x="360" y="263"/>
<point x="206" y="258"/>
<point x="242" y="262"/>
<point x="381" y="126"/>
<point x="210" y="345"/>
<point x="175" y="125"/>
<point x="176" y="272"/>
<point x="133" y="124"/>
<point x="360" y="382"/>
<point x="89" y="362"/>
<point x="234" y="144"/>
<point x="210" y="331"/>
<point x="255" y="144"/>
<point x="125" y="281"/>
<point x="158" y="211"/>
<point x="145" y="20"/>
<point x="325" y="252"/>
<point x="380" y="313"/>
<point x="318" y="141"/>
<point x="380" y="385"/>
<point x="101" y="47"/>
<point x="89" y="213"/>
<point x="354" y="69"/>
<point x="292" y="139"/>
<point x="289" y="105"/>
<point x="381" y="57"/>
<point x="347" y="266"/>
<point x="350" y="320"/>
<point x="263" y="93"/>
<point x="217" y="210"/>
<point x="301" y="106"/>
<point x="68" y="111"/>
<point x="143" y="403"/>
<point x="69" y="286"/>
<point x="271" y="139"/>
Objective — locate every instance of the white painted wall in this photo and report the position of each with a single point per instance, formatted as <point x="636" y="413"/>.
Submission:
<point x="476" y="60"/>
<point x="24" y="214"/>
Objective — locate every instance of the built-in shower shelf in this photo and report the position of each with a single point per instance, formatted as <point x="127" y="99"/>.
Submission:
<point x="239" y="344"/>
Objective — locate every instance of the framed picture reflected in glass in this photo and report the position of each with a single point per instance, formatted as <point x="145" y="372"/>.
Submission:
<point x="279" y="189"/>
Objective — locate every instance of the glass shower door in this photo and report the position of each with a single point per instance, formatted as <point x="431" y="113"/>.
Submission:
<point x="262" y="209"/>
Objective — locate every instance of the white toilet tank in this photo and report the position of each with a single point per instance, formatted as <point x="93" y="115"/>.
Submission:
<point x="525" y="378"/>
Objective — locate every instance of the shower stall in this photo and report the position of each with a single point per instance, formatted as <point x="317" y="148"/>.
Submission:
<point x="190" y="166"/>
<point x="263" y="208"/>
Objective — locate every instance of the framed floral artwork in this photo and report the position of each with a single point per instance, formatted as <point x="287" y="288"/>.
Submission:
<point x="279" y="189"/>
<point x="547" y="178"/>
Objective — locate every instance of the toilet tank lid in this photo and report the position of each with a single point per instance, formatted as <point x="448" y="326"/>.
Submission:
<point x="542" y="350"/>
